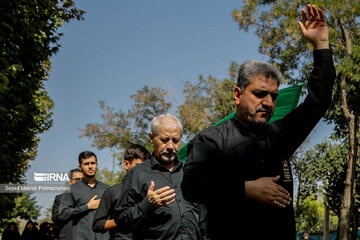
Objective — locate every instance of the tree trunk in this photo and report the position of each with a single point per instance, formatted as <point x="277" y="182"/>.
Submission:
<point x="355" y="219"/>
<point x="326" y="223"/>
<point x="348" y="196"/>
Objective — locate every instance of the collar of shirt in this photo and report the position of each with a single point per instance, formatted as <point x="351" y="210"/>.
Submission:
<point x="86" y="182"/>
<point x="156" y="165"/>
<point x="245" y="129"/>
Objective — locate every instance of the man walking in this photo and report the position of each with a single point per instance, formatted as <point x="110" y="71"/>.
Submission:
<point x="240" y="169"/>
<point x="84" y="198"/>
<point x="151" y="204"/>
<point x="64" y="230"/>
<point x="104" y="216"/>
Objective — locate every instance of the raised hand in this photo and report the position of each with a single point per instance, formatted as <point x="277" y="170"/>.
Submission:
<point x="161" y="197"/>
<point x="314" y="27"/>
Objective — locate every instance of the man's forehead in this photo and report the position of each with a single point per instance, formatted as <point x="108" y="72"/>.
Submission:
<point x="77" y="174"/>
<point x="90" y="159"/>
<point x="164" y="131"/>
<point x="168" y="124"/>
<point x="262" y="82"/>
<point x="169" y="134"/>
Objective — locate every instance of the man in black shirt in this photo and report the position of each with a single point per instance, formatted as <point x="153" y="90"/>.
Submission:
<point x="252" y="198"/>
<point x="84" y="198"/>
<point x="64" y="230"/>
<point x="104" y="216"/>
<point x="151" y="203"/>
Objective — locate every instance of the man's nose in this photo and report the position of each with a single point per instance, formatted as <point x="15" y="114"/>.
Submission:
<point x="268" y="101"/>
<point x="170" y="145"/>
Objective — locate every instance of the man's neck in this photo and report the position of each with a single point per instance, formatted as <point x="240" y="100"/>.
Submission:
<point x="254" y="130"/>
<point x="90" y="181"/>
<point x="168" y="165"/>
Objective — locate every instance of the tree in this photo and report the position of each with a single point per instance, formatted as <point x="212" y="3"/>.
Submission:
<point x="331" y="160"/>
<point x="275" y="24"/>
<point x="307" y="184"/>
<point x="316" y="171"/>
<point x="48" y="216"/>
<point x="106" y="176"/>
<point x="29" y="37"/>
<point x="120" y="129"/>
<point x="207" y="101"/>
<point x="25" y="207"/>
<point x="320" y="172"/>
<point x="309" y="215"/>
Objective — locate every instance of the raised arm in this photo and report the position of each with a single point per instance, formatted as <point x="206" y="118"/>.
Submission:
<point x="314" y="27"/>
<point x="297" y="125"/>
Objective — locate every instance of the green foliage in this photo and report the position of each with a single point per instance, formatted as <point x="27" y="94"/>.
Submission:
<point x="47" y="217"/>
<point x="330" y="160"/>
<point x="319" y="171"/>
<point x="120" y="129"/>
<point x="106" y="176"/>
<point x="148" y="103"/>
<point x="310" y="216"/>
<point x="25" y="207"/>
<point x="208" y="101"/>
<point x="29" y="37"/>
<point x="306" y="182"/>
<point x="275" y="23"/>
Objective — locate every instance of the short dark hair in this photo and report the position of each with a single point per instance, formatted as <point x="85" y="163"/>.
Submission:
<point x="86" y="155"/>
<point x="136" y="151"/>
<point x="71" y="172"/>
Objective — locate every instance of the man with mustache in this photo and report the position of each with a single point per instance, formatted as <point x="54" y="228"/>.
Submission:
<point x="151" y="204"/>
<point x="240" y="168"/>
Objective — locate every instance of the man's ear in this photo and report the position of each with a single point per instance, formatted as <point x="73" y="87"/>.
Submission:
<point x="151" y="137"/>
<point x="237" y="94"/>
<point x="126" y="164"/>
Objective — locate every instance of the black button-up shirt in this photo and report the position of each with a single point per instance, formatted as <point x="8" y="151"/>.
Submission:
<point x="178" y="220"/>
<point x="106" y="212"/>
<point x="74" y="205"/>
<point x="223" y="157"/>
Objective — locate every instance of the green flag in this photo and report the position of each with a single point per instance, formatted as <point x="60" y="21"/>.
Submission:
<point x="286" y="101"/>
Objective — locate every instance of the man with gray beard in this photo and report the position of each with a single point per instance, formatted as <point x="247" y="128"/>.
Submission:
<point x="151" y="204"/>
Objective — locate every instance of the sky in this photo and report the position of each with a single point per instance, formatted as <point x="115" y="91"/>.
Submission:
<point x="120" y="47"/>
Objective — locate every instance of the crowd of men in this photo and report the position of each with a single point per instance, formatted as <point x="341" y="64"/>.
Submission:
<point x="236" y="182"/>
